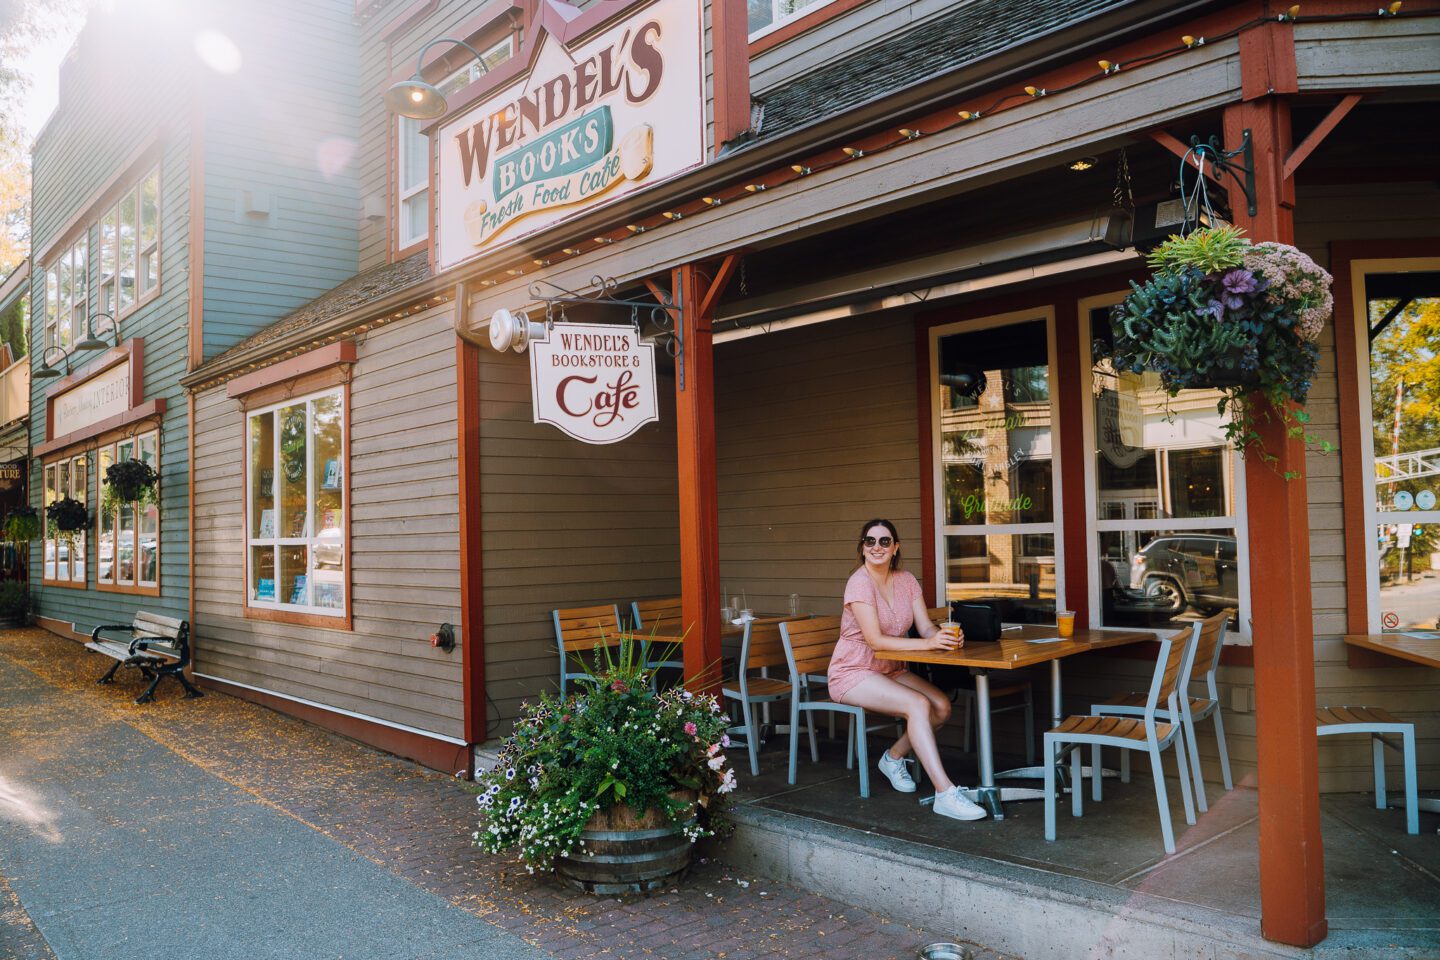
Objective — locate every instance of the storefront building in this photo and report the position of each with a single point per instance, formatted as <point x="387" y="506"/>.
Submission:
<point x="165" y="229"/>
<point x="892" y="238"/>
<point x="14" y="415"/>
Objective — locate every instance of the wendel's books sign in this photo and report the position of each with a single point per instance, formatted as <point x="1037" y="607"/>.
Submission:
<point x="620" y="111"/>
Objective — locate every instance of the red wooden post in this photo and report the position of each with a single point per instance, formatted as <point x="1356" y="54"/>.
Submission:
<point x="1070" y="382"/>
<point x="472" y="605"/>
<point x="1292" y="879"/>
<point x="699" y="499"/>
<point x="730" y="54"/>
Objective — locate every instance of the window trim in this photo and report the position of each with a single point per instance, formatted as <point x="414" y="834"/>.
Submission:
<point x="1094" y="526"/>
<point x="45" y="540"/>
<point x="937" y="534"/>
<point x="1359" y="525"/>
<point x="343" y="618"/>
<point x="807" y="19"/>
<point x="137" y="588"/>
<point x="134" y="186"/>
<point x="64" y="314"/>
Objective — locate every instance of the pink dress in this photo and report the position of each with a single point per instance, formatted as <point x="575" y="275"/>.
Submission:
<point x="853" y="660"/>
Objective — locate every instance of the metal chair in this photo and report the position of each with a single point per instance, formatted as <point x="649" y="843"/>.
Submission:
<point x="663" y="617"/>
<point x="1128" y="733"/>
<point x="578" y="629"/>
<point x="1192" y="709"/>
<point x="809" y="644"/>
<point x="966" y="701"/>
<point x="760" y="648"/>
<point x="1330" y="721"/>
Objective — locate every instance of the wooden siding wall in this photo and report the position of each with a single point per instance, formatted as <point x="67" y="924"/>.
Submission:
<point x="283" y="129"/>
<point x="405" y="544"/>
<point x="112" y="94"/>
<point x="1322" y="214"/>
<point x="815" y="434"/>
<point x="565" y="525"/>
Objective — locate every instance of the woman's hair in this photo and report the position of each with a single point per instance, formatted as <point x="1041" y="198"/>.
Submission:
<point x="860" y="543"/>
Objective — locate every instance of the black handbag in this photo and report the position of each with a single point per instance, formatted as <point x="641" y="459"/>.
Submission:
<point x="979" y="621"/>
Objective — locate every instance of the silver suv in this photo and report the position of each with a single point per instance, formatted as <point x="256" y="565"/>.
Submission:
<point x="1188" y="570"/>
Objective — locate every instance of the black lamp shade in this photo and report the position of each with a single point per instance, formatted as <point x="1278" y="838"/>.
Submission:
<point x="46" y="372"/>
<point x="416" y="99"/>
<point x="92" y="342"/>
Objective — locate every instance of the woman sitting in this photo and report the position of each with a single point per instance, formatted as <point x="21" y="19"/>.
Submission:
<point x="882" y="603"/>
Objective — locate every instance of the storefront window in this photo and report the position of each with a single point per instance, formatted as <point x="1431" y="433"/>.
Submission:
<point x="64" y="556"/>
<point x="1403" y="311"/>
<point x="1165" y="483"/>
<point x="996" y="469"/>
<point x="768" y="15"/>
<point x="296" y="484"/>
<point x="128" y="551"/>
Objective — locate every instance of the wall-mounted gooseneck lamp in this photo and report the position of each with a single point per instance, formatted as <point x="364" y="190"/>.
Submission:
<point x="91" y="341"/>
<point x="45" y="371"/>
<point x="417" y="99"/>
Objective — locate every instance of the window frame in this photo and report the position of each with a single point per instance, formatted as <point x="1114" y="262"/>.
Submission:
<point x="108" y="301"/>
<point x="46" y="467"/>
<point x="114" y="584"/>
<point x="407" y="127"/>
<point x="780" y="23"/>
<point x="1056" y="524"/>
<point x="1095" y="525"/>
<point x="61" y="317"/>
<point x="1372" y="516"/>
<point x="338" y="618"/>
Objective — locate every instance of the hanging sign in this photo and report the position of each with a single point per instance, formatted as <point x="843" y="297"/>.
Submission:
<point x="619" y="112"/>
<point x="1118" y="425"/>
<point x="102" y="396"/>
<point x="593" y="381"/>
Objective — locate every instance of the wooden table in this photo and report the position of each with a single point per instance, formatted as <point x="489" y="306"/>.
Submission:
<point x="1013" y="651"/>
<point x="1413" y="649"/>
<point x="1424" y="652"/>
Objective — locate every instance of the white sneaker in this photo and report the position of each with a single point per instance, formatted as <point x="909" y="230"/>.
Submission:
<point x="954" y="804"/>
<point x="896" y="772"/>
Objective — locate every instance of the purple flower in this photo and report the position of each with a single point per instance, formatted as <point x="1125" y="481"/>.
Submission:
<point x="1238" y="280"/>
<point x="1216" y="308"/>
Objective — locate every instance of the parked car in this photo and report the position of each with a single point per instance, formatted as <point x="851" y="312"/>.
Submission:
<point x="1191" y="570"/>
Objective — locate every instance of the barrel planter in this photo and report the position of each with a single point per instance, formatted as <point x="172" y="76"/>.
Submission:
<point x="627" y="852"/>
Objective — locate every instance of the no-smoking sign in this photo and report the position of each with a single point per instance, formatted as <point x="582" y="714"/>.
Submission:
<point x="1390" y="621"/>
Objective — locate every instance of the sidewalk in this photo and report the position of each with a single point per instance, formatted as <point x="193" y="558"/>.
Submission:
<point x="259" y="829"/>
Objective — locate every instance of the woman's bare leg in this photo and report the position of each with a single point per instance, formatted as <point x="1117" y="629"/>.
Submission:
<point x="883" y="695"/>
<point x="939" y="709"/>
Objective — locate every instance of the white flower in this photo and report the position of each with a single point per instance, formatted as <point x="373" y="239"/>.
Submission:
<point x="509" y="773"/>
<point x="724" y="739"/>
<point x="494" y="789"/>
<point x="717" y="762"/>
<point x="514" y="804"/>
<point x="727" y="783"/>
<point x="687" y="695"/>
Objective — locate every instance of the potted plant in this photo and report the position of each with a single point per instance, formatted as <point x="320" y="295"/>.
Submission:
<point x="14" y="604"/>
<point x="67" y="515"/>
<point x="611" y="786"/>
<point x="1221" y="312"/>
<point x="23" y="524"/>
<point x="129" y="481"/>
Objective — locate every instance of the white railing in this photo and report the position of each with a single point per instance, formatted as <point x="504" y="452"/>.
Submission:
<point x="15" y="391"/>
<point x="1408" y="466"/>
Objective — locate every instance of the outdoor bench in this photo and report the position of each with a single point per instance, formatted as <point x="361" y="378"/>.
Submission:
<point x="157" y="646"/>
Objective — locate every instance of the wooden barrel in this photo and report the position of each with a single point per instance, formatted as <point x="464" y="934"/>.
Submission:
<point x="626" y="852"/>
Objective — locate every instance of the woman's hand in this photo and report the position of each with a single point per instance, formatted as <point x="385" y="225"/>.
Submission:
<point x="947" y="639"/>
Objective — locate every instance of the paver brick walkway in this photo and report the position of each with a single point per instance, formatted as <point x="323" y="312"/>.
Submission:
<point x="417" y="824"/>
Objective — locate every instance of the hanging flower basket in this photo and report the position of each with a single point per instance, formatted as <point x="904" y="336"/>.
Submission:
<point x="1220" y="312"/>
<point x="23" y="524"/>
<point x="129" y="481"/>
<point x="68" y="515"/>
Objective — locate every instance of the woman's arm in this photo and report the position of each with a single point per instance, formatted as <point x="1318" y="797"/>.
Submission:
<point x="869" y="622"/>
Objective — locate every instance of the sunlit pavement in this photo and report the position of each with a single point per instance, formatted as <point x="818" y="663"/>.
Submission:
<point x="214" y="828"/>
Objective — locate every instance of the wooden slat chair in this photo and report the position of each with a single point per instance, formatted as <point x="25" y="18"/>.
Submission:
<point x="1017" y="687"/>
<point x="809" y="644"/>
<point x="760" y="648"/>
<point x="1330" y="721"/>
<point x="1205" y="663"/>
<point x="660" y="618"/>
<point x="579" y="629"/>
<point x="1128" y="733"/>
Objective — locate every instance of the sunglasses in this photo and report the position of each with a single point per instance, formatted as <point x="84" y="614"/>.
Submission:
<point x="871" y="541"/>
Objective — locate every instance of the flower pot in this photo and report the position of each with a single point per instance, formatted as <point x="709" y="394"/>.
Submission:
<point x="626" y="852"/>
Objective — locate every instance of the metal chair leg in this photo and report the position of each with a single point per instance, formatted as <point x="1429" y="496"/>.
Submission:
<point x="1412" y="795"/>
<point x="1030" y="728"/>
<point x="1182" y="770"/>
<point x="794" y="735"/>
<point x="1048" y="749"/>
<point x="1161" y="800"/>
<point x="1377" y="752"/>
<point x="1188" y="722"/>
<point x="864" y="751"/>
<point x="1095" y="772"/>
<point x="1224" y="753"/>
<point x="1124" y="766"/>
<point x="1077" y="781"/>
<point x="750" y="738"/>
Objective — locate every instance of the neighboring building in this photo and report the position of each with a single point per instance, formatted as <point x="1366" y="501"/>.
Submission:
<point x="194" y="184"/>
<point x="14" y="413"/>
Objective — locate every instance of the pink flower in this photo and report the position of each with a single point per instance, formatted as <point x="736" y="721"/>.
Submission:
<point x="713" y="749"/>
<point x="690" y="727"/>
<point x="619" y="686"/>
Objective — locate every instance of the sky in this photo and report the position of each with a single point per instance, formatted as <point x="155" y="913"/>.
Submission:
<point x="42" y="65"/>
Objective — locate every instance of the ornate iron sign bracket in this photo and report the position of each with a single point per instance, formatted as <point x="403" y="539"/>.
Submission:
<point x="663" y="317"/>
<point x="1223" y="159"/>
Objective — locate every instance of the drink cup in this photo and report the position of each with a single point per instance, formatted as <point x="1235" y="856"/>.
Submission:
<point x="1065" y="620"/>
<point x="794" y="604"/>
<point x="950" y="627"/>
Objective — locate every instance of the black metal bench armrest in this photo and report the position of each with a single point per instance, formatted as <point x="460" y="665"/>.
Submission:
<point x="95" y="634"/>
